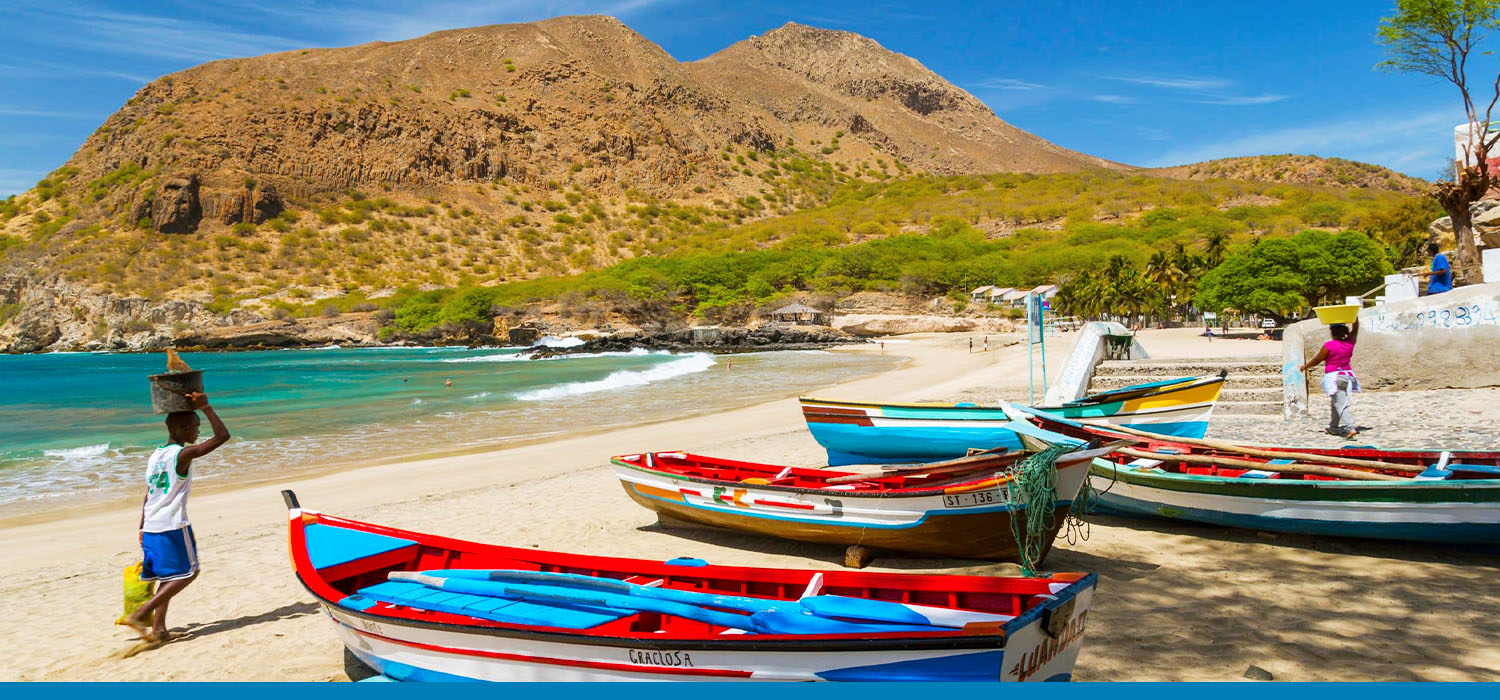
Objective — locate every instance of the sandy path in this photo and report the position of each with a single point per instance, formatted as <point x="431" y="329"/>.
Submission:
<point x="1175" y="602"/>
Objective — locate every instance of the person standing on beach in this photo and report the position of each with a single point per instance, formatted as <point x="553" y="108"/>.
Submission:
<point x="168" y="552"/>
<point x="1338" y="378"/>
<point x="1441" y="274"/>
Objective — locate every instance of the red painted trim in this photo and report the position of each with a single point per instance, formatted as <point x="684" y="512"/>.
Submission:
<point x="840" y="420"/>
<point x="630" y="668"/>
<point x="798" y="506"/>
<point x="815" y="409"/>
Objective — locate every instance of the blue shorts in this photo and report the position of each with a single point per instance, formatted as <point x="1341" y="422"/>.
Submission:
<point x="170" y="555"/>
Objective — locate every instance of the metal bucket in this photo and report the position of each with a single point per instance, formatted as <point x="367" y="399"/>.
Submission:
<point x="167" y="390"/>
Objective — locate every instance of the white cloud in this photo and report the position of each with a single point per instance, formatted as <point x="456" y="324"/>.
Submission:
<point x="1173" y="83"/>
<point x="16" y="181"/>
<point x="1239" y="99"/>
<point x="6" y="111"/>
<point x="49" y="71"/>
<point x="1115" y="99"/>
<point x="1371" y="138"/>
<point x="1152" y="133"/>
<point x="1007" y="84"/>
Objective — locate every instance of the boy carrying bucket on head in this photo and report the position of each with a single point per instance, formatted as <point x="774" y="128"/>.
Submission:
<point x="168" y="553"/>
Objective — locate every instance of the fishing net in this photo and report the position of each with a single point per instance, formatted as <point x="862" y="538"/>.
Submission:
<point x="1033" y="482"/>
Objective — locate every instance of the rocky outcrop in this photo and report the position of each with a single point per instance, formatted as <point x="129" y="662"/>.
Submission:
<point x="766" y="337"/>
<point x="870" y="325"/>
<point x="255" y="205"/>
<point x="347" y="330"/>
<point x="57" y="315"/>
<point x="176" y="208"/>
<point x="1486" y="215"/>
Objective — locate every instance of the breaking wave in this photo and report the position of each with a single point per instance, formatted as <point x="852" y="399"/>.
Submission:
<point x="625" y="378"/>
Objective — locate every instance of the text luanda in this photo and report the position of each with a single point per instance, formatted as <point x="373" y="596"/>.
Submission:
<point x="1034" y="660"/>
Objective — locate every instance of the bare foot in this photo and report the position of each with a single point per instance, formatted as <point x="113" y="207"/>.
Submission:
<point x="141" y="627"/>
<point x="162" y="636"/>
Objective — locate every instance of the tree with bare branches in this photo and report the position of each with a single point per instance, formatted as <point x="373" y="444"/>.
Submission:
<point x="1438" y="38"/>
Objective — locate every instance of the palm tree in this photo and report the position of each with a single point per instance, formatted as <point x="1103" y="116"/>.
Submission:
<point x="1215" y="247"/>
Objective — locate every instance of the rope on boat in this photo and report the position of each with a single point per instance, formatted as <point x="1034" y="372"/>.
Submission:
<point x="1075" y="527"/>
<point x="1033" y="484"/>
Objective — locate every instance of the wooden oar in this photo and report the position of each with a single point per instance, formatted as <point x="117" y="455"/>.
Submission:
<point x="978" y="460"/>
<point x="949" y="468"/>
<point x="1259" y="452"/>
<point x="1247" y="464"/>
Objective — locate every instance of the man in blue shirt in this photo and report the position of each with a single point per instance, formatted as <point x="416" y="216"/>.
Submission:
<point x="1441" y="274"/>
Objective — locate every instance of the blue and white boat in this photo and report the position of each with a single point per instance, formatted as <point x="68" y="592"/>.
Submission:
<point x="858" y="433"/>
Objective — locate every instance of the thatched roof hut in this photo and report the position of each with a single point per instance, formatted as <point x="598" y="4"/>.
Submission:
<point x="800" y="314"/>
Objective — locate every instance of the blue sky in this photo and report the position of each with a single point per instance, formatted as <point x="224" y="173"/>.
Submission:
<point x="1145" y="83"/>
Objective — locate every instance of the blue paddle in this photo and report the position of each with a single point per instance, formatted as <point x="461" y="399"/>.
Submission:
<point x="830" y="606"/>
<point x="765" y="622"/>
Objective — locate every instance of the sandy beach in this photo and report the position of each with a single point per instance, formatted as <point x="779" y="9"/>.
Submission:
<point x="1175" y="602"/>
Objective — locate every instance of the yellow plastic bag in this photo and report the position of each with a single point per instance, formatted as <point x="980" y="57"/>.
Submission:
<point x="137" y="592"/>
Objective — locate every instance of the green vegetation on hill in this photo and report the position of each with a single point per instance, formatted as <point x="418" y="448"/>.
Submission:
<point x="945" y="235"/>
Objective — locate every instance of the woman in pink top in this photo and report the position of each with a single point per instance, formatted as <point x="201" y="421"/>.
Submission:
<point x="1338" y="378"/>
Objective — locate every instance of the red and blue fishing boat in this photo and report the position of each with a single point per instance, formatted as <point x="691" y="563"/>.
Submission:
<point x="969" y="507"/>
<point x="422" y="607"/>
<point x="857" y="432"/>
<point x="1449" y="496"/>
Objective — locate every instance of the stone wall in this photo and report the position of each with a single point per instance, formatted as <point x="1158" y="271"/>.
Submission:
<point x="1449" y="340"/>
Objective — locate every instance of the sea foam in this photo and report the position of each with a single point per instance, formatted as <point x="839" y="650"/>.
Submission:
<point x="625" y="378"/>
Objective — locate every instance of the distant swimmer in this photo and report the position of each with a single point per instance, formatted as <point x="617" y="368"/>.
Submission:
<point x="447" y="382"/>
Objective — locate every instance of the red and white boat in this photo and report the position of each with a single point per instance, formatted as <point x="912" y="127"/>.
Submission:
<point x="415" y="606"/>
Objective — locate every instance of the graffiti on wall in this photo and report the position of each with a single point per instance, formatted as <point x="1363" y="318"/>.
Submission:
<point x="1470" y="313"/>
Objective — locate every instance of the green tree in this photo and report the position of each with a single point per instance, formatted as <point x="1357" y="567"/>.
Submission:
<point x="1437" y="38"/>
<point x="1281" y="277"/>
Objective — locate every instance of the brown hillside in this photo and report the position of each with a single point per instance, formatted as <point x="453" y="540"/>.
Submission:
<point x="579" y="99"/>
<point x="841" y="80"/>
<point x="480" y="155"/>
<point x="1302" y="170"/>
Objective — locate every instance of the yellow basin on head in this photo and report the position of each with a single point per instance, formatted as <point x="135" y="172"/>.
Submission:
<point x="1342" y="313"/>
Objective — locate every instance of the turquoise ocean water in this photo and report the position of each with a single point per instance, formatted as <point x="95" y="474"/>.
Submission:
<point x="77" y="427"/>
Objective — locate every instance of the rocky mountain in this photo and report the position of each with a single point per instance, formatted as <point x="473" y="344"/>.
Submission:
<point x="802" y="75"/>
<point x="468" y="156"/>
<point x="1301" y="170"/>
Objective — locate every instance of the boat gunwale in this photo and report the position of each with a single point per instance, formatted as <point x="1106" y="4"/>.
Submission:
<point x="1170" y="389"/>
<point x="926" y="492"/>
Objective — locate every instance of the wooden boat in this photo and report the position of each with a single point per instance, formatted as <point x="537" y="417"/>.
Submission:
<point x="422" y="607"/>
<point x="855" y="433"/>
<point x="1366" y="492"/>
<point x="961" y="508"/>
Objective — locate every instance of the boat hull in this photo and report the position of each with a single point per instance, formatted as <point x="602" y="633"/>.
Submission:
<point x="1466" y="511"/>
<point x="857" y="433"/>
<point x="433" y="655"/>
<point x="973" y="524"/>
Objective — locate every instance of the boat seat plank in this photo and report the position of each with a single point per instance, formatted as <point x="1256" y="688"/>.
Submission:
<point x="518" y="612"/>
<point x="329" y="546"/>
